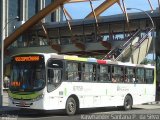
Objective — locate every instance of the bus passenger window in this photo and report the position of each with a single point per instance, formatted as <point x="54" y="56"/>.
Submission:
<point x="104" y="73"/>
<point x="140" y="75"/>
<point x="89" y="72"/>
<point x="75" y="72"/>
<point x="129" y="75"/>
<point x="86" y="76"/>
<point x="117" y="74"/>
<point x="72" y="73"/>
<point x="149" y="76"/>
<point x="126" y="79"/>
<point x="114" y="79"/>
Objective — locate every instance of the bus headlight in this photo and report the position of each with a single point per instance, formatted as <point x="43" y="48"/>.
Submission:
<point x="38" y="97"/>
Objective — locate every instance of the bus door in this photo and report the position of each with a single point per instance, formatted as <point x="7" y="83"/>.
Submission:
<point x="54" y="74"/>
<point x="53" y="82"/>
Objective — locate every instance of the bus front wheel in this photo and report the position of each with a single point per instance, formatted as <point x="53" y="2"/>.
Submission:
<point x="128" y="102"/>
<point x="71" y="106"/>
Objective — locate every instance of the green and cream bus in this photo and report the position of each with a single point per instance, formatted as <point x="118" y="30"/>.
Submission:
<point x="54" y="82"/>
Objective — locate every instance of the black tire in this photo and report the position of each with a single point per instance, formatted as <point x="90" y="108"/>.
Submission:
<point x="71" y="106"/>
<point x="128" y="102"/>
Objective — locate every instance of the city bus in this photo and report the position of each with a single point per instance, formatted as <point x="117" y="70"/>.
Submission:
<point x="48" y="81"/>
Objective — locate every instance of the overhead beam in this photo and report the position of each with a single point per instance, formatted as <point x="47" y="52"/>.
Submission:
<point x="150" y="5"/>
<point x="74" y="39"/>
<point x="95" y="17"/>
<point x="32" y="21"/>
<point x="101" y="8"/>
<point x="45" y="32"/>
<point x="79" y="45"/>
<point x="119" y="3"/>
<point x="67" y="13"/>
<point x="124" y="8"/>
<point x="126" y="15"/>
<point x="56" y="47"/>
<point x="74" y="1"/>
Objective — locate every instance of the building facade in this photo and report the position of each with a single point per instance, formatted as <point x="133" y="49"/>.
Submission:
<point x="15" y="12"/>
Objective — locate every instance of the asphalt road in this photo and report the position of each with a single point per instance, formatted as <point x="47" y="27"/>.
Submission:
<point x="141" y="112"/>
<point x="145" y="113"/>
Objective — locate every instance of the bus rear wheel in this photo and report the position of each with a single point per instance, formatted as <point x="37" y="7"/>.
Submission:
<point x="71" y="106"/>
<point x="128" y="102"/>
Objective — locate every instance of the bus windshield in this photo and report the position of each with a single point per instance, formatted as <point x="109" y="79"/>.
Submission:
<point x="28" y="76"/>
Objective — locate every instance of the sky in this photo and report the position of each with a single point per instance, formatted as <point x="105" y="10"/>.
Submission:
<point x="82" y="9"/>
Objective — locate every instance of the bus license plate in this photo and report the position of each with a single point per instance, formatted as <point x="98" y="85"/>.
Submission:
<point x="22" y="103"/>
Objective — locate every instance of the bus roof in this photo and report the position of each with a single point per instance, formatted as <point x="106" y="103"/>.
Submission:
<point x="90" y="60"/>
<point x="94" y="60"/>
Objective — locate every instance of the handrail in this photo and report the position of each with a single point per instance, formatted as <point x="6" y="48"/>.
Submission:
<point x="144" y="38"/>
<point x="132" y="37"/>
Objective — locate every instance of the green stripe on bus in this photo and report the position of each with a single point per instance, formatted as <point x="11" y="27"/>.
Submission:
<point x="65" y="91"/>
<point x="24" y="96"/>
<point x="155" y="76"/>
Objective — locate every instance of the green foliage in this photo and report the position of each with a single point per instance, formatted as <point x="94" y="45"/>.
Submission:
<point x="148" y="61"/>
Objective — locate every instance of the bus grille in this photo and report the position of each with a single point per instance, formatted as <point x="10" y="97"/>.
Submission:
<point x="22" y="103"/>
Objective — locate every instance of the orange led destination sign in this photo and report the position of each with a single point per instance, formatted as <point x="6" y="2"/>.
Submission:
<point x="27" y="58"/>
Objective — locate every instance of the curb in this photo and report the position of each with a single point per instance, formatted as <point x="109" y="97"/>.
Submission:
<point x="7" y="108"/>
<point x="152" y="103"/>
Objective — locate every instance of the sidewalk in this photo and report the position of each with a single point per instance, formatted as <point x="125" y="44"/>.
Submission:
<point x="5" y="108"/>
<point x="152" y="103"/>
